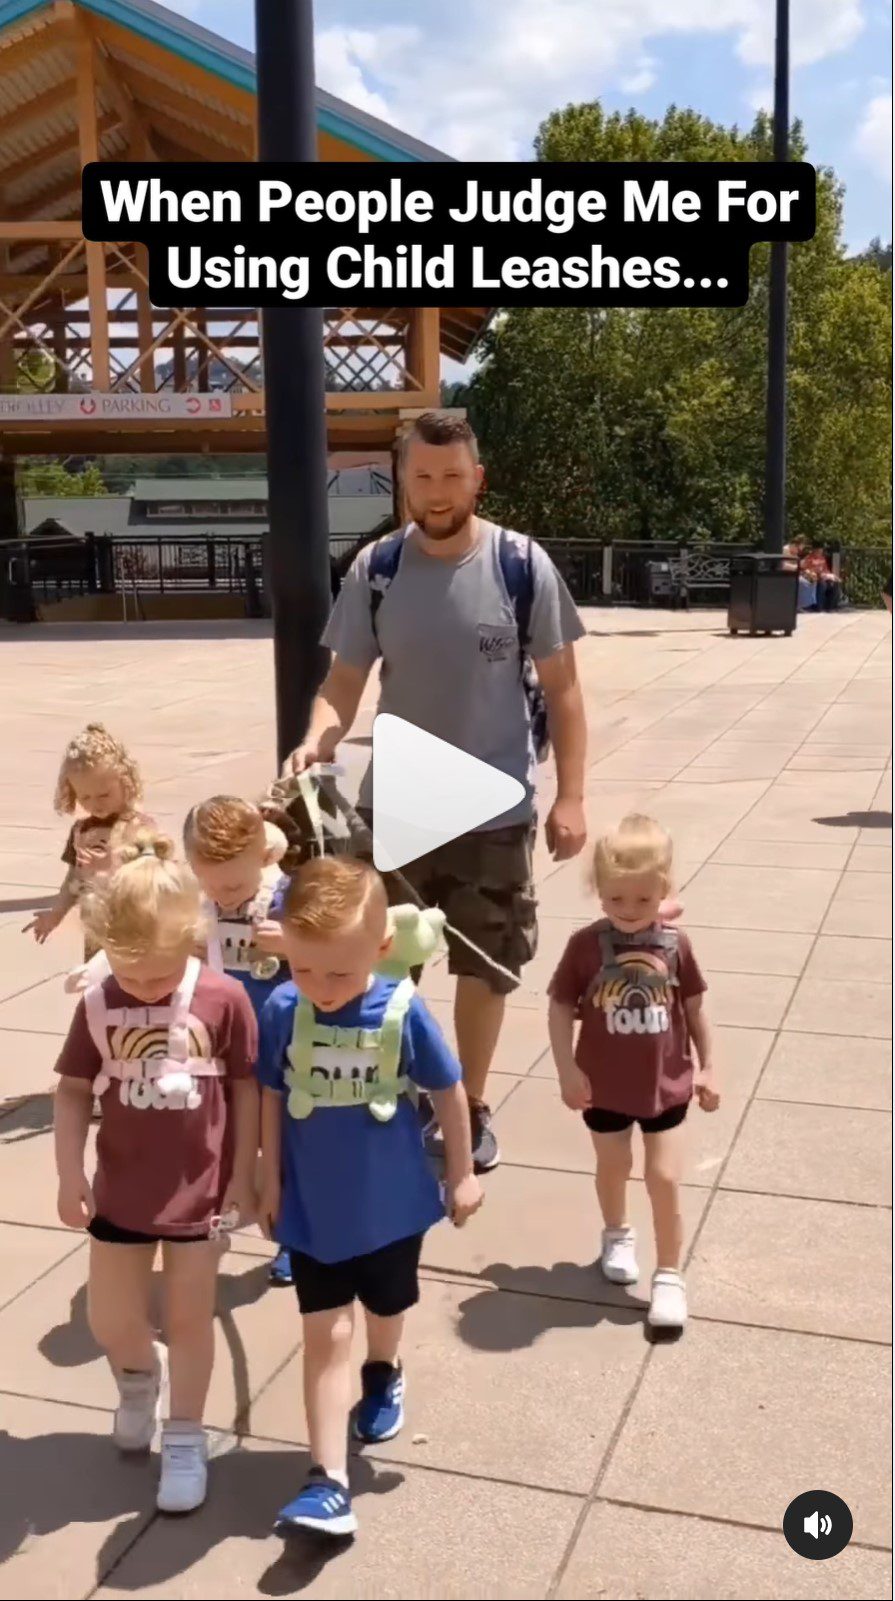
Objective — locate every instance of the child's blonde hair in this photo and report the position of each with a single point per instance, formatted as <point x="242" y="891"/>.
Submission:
<point x="331" y="894"/>
<point x="637" y="845"/>
<point x="96" y="747"/>
<point x="150" y="904"/>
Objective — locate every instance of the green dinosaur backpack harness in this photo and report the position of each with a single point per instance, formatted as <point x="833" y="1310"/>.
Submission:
<point x="374" y="1079"/>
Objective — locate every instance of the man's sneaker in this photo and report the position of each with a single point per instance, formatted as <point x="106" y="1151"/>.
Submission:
<point x="618" y="1258"/>
<point x="485" y="1152"/>
<point x="136" y="1416"/>
<point x="280" y="1270"/>
<point x="184" y="1477"/>
<point x="380" y="1414"/>
<point x="324" y="1506"/>
<point x="668" y="1302"/>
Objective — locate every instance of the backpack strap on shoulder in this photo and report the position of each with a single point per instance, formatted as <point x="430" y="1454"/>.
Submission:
<point x="385" y="559"/>
<point x="518" y="575"/>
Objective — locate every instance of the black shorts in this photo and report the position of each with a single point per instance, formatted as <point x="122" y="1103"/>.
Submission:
<point x="386" y="1282"/>
<point x="111" y="1234"/>
<point x="600" y="1122"/>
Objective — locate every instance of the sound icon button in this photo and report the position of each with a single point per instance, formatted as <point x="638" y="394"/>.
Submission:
<point x="817" y="1525"/>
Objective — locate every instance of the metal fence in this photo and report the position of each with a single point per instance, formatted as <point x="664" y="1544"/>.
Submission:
<point x="41" y="571"/>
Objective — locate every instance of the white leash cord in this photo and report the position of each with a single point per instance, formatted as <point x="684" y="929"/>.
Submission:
<point x="360" y="834"/>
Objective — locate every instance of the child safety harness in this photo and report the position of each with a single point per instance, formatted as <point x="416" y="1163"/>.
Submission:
<point x="368" y="1072"/>
<point x="234" y="937"/>
<point x="367" y="1068"/>
<point x="613" y="943"/>
<point x="170" y="1075"/>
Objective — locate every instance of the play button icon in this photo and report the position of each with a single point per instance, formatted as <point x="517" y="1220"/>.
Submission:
<point x="426" y="792"/>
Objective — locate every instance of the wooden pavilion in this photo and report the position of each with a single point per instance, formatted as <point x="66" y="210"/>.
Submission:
<point x="87" y="363"/>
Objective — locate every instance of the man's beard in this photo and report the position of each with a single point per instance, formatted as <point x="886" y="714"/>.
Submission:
<point x="445" y="526"/>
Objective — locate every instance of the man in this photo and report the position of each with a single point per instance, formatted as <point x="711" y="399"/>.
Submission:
<point x="445" y="628"/>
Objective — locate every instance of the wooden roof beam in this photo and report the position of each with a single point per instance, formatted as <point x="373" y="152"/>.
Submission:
<point x="140" y="146"/>
<point x="29" y="165"/>
<point x="37" y="110"/>
<point x="70" y="185"/>
<point x="150" y="92"/>
<point x="15" y="53"/>
<point x="192" y="140"/>
<point x="157" y="60"/>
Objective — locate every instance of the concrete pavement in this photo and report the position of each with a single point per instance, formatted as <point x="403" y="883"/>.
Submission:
<point x="549" y="1450"/>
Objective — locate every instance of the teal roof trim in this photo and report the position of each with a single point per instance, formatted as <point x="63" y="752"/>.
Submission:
<point x="236" y="66"/>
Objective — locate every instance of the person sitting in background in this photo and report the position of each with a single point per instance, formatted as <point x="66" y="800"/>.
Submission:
<point x="827" y="591"/>
<point x="795" y="550"/>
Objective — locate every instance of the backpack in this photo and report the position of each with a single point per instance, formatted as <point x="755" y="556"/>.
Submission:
<point x="517" y="570"/>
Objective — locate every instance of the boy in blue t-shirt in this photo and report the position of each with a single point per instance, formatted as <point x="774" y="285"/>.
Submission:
<point x="346" y="1184"/>
<point x="235" y="856"/>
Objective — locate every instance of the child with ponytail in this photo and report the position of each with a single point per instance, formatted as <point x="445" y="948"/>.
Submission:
<point x="169" y="1046"/>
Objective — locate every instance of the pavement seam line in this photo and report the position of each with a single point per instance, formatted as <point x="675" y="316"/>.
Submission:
<point x="688" y="1256"/>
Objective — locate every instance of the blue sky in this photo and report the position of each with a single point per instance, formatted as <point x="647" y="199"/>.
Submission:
<point x="474" y="77"/>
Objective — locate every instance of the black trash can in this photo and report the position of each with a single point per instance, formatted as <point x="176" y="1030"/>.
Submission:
<point x="764" y="593"/>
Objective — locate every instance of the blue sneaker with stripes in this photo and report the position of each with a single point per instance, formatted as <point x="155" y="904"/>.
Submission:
<point x="323" y="1506"/>
<point x="380" y="1412"/>
<point x="280" y="1271"/>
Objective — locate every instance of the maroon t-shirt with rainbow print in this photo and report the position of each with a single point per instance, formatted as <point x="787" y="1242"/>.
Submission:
<point x="633" y="1044"/>
<point x="162" y="1168"/>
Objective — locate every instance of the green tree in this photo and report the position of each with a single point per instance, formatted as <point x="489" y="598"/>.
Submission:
<point x="36" y="372"/>
<point x="53" y="478"/>
<point x="649" y="423"/>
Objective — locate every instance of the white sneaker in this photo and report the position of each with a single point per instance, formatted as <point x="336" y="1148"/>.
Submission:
<point x="618" y="1258"/>
<point x="138" y="1407"/>
<point x="668" y="1302"/>
<point x="184" y="1477"/>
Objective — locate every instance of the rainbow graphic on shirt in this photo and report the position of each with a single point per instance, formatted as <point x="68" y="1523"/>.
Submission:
<point x="149" y="1042"/>
<point x="637" y="1000"/>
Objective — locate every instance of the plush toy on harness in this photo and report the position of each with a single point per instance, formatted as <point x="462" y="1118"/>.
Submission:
<point x="330" y="1066"/>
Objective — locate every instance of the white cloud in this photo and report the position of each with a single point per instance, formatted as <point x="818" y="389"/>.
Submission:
<point x="873" y="140"/>
<point x="479" y="84"/>
<point x="642" y="78"/>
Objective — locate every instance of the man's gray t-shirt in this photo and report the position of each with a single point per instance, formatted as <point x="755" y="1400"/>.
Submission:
<point x="446" y="632"/>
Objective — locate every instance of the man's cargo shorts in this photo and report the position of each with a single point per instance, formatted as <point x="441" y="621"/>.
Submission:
<point x="484" y="884"/>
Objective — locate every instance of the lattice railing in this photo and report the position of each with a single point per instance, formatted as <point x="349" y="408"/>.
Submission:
<point x="45" y="331"/>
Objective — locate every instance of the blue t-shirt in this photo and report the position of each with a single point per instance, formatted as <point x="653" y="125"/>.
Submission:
<point x="258" y="990"/>
<point x="350" y="1183"/>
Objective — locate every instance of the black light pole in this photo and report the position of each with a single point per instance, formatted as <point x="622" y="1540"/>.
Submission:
<point x="294" y="389"/>
<point x="775" y="446"/>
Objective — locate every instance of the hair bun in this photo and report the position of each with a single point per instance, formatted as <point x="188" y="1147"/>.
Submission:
<point x="147" y="843"/>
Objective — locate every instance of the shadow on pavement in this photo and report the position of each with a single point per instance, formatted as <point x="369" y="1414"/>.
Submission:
<point x="55" y="1480"/>
<point x="857" y="820"/>
<point x="34" y="903"/>
<point x="24" y="1120"/>
<point x="543" y="1298"/>
<point x="70" y="1344"/>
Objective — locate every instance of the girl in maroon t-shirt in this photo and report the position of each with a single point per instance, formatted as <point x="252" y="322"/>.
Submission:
<point x="170" y="1048"/>
<point x="633" y="982"/>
